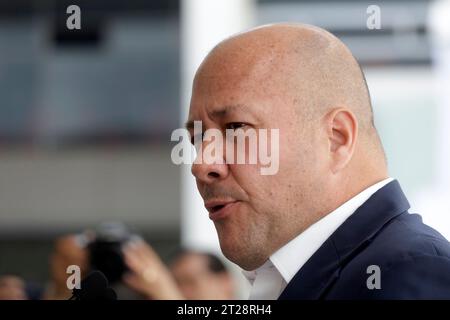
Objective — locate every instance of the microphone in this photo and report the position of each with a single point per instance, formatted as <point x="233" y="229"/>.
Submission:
<point x="94" y="287"/>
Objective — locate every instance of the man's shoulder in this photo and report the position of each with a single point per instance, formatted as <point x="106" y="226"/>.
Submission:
<point x="404" y="238"/>
<point x="411" y="259"/>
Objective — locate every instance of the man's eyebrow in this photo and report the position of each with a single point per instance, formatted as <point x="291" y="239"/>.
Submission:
<point x="223" y="111"/>
<point x="218" y="113"/>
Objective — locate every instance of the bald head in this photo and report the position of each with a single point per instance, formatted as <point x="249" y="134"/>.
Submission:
<point x="305" y="64"/>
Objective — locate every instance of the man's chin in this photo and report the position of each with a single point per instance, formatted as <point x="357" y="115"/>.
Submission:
<point x="241" y="255"/>
<point x="232" y="251"/>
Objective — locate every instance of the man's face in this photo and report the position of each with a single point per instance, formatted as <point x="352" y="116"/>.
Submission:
<point x="254" y="214"/>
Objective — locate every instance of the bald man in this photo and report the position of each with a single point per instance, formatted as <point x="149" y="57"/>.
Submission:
<point x="331" y="223"/>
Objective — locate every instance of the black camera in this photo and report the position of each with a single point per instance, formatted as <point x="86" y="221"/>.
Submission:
<point x="105" y="250"/>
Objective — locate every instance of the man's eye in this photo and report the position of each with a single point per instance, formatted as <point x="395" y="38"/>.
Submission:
<point x="235" y="125"/>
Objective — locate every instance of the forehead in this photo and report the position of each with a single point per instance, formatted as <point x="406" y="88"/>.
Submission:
<point x="220" y="97"/>
<point x="263" y="110"/>
<point x="239" y="80"/>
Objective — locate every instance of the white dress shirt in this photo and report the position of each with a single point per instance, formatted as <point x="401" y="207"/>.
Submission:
<point x="270" y="279"/>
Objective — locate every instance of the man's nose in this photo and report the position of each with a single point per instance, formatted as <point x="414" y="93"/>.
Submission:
<point x="209" y="170"/>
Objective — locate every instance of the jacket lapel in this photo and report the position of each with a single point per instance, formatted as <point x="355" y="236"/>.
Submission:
<point x="323" y="268"/>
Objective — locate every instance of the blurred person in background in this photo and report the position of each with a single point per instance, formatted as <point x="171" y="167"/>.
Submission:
<point x="191" y="275"/>
<point x="12" y="288"/>
<point x="68" y="250"/>
<point x="202" y="276"/>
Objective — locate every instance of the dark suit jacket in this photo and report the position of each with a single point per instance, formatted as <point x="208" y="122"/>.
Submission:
<point x="413" y="258"/>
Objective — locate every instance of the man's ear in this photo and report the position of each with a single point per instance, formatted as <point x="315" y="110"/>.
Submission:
<point x="342" y="132"/>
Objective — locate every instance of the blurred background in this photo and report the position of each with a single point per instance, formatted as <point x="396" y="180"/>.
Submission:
<point x="86" y="115"/>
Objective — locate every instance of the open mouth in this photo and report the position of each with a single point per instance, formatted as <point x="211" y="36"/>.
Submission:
<point x="217" y="208"/>
<point x="220" y="210"/>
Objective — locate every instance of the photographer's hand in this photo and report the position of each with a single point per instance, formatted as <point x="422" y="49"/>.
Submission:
<point x="149" y="275"/>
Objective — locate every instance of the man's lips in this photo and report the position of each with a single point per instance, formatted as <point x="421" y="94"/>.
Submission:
<point x="219" y="209"/>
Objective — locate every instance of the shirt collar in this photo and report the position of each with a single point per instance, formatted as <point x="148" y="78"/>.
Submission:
<point x="251" y="275"/>
<point x="292" y="256"/>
